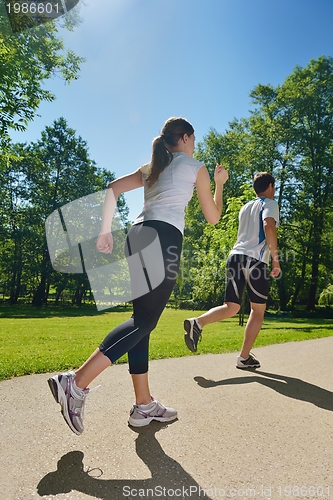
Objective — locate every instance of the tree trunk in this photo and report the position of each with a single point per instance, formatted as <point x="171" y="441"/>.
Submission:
<point x="302" y="279"/>
<point x="79" y="293"/>
<point x="317" y="238"/>
<point x="311" y="305"/>
<point x="15" y="285"/>
<point x="283" y="296"/>
<point x="60" y="289"/>
<point x="40" y="296"/>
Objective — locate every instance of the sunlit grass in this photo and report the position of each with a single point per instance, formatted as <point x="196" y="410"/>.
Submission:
<point x="55" y="339"/>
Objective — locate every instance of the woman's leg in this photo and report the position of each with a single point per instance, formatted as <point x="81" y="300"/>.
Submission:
<point x="141" y="388"/>
<point x="91" y="368"/>
<point x="150" y="307"/>
<point x="132" y="336"/>
<point x="70" y="389"/>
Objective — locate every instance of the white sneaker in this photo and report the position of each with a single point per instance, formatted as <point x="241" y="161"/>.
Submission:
<point x="250" y="362"/>
<point x="71" y="399"/>
<point x="141" y="415"/>
<point x="193" y="333"/>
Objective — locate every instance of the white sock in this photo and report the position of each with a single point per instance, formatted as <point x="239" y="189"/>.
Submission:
<point x="78" y="390"/>
<point x="198" y="323"/>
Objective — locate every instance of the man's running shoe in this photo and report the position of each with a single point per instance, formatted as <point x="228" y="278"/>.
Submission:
<point x="250" y="362"/>
<point x="193" y="333"/>
<point x="141" y="415"/>
<point x="71" y="399"/>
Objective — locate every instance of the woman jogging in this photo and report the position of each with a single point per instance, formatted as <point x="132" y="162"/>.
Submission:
<point x="168" y="180"/>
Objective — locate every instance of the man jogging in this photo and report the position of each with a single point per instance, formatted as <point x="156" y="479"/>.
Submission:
<point x="247" y="264"/>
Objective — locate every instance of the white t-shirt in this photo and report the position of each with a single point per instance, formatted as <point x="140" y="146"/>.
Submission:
<point x="251" y="238"/>
<point x="168" y="197"/>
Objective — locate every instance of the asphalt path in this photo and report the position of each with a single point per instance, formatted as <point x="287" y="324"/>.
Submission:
<point x="264" y="434"/>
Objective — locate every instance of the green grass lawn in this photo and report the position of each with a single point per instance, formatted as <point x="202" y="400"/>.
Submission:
<point x="56" y="339"/>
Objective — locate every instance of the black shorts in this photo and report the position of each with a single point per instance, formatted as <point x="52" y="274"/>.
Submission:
<point x="241" y="270"/>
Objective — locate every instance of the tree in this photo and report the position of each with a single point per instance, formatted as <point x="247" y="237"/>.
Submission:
<point x="326" y="296"/>
<point x="46" y="175"/>
<point x="16" y="229"/>
<point x="27" y="60"/>
<point x="289" y="133"/>
<point x="212" y="250"/>
<point x="302" y="110"/>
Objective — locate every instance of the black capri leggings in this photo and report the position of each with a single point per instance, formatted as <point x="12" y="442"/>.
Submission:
<point x="132" y="336"/>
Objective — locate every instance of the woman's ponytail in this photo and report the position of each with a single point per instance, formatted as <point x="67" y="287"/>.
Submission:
<point x="160" y="159"/>
<point x="172" y="131"/>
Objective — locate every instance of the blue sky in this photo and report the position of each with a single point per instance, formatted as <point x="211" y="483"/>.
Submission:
<point x="148" y="60"/>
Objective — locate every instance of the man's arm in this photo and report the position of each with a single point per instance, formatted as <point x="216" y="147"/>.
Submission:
<point x="271" y="239"/>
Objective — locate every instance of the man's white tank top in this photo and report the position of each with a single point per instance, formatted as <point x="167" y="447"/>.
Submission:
<point x="251" y="238"/>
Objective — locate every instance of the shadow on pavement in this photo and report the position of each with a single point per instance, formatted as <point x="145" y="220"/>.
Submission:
<point x="287" y="386"/>
<point x="166" y="474"/>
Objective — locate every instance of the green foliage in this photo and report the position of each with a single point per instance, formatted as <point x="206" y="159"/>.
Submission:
<point x="290" y="134"/>
<point x="27" y="60"/>
<point x="43" y="177"/>
<point x="326" y="296"/>
<point x="211" y="252"/>
<point x="300" y="112"/>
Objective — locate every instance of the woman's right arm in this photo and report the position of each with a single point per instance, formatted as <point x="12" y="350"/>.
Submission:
<point x="126" y="183"/>
<point x="115" y="188"/>
<point x="211" y="205"/>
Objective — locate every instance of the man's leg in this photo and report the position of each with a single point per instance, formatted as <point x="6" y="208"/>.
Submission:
<point x="252" y="328"/>
<point x="233" y="294"/>
<point x="235" y="282"/>
<point x="227" y="310"/>
<point x="193" y="326"/>
<point x="257" y="283"/>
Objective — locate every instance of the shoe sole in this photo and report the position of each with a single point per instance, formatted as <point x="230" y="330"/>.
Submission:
<point x="60" y="398"/>
<point x="146" y="421"/>
<point x="188" y="341"/>
<point x="247" y="367"/>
